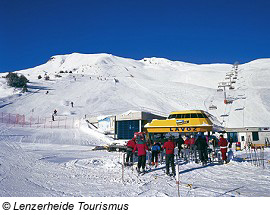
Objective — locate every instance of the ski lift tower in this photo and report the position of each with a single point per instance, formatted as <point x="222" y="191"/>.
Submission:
<point x="235" y="65"/>
<point x="223" y="85"/>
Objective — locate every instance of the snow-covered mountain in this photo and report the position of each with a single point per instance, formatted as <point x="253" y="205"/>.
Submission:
<point x="101" y="84"/>
<point x="46" y="160"/>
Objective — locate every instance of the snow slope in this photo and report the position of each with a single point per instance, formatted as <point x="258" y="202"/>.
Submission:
<point x="51" y="162"/>
<point x="105" y="84"/>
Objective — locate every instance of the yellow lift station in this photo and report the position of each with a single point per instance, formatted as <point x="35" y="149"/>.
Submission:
<point x="186" y="121"/>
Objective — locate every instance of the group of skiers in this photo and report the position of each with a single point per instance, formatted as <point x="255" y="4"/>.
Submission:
<point x="193" y="144"/>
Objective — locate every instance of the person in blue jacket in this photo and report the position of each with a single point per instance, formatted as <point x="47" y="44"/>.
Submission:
<point x="155" y="150"/>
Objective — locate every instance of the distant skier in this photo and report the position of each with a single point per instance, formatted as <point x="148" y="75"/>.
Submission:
<point x="169" y="147"/>
<point x="55" y="112"/>
<point x="71" y="104"/>
<point x="223" y="148"/>
<point x="47" y="92"/>
<point x="155" y="151"/>
<point x="202" y="146"/>
<point x="141" y="147"/>
<point x="130" y="146"/>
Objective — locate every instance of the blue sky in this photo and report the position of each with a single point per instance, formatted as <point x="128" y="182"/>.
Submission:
<point x="197" y="31"/>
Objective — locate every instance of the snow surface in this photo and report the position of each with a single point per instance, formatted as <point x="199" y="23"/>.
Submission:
<point x="44" y="161"/>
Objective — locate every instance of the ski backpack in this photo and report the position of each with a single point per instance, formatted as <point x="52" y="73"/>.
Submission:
<point x="156" y="148"/>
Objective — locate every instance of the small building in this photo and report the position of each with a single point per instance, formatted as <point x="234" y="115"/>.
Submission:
<point x="133" y="121"/>
<point x="123" y="126"/>
<point x="254" y="135"/>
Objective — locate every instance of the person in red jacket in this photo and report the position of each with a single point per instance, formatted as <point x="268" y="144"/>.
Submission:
<point x="130" y="146"/>
<point x="141" y="147"/>
<point x="187" y="142"/>
<point x="193" y="148"/>
<point x="169" y="147"/>
<point x="223" y="147"/>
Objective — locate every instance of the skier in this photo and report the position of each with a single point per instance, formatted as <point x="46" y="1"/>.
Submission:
<point x="169" y="147"/>
<point x="180" y="142"/>
<point x="186" y="148"/>
<point x="193" y="148"/>
<point x="231" y="142"/>
<point x="155" y="151"/>
<point x="202" y="146"/>
<point x="141" y="147"/>
<point x="214" y="143"/>
<point x="55" y="112"/>
<point x="223" y="148"/>
<point x="130" y="146"/>
<point x="71" y="104"/>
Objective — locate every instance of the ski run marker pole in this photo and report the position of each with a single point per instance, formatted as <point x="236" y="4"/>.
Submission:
<point x="177" y="178"/>
<point x="123" y="166"/>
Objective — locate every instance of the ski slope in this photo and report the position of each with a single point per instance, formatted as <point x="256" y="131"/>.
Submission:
<point x="105" y="84"/>
<point x="51" y="162"/>
<point x="44" y="161"/>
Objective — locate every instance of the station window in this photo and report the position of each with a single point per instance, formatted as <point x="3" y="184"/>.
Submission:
<point x="193" y="115"/>
<point x="172" y="116"/>
<point x="187" y="115"/>
<point x="127" y="128"/>
<point x="200" y="115"/>
<point x="180" y="116"/>
<point x="255" y="136"/>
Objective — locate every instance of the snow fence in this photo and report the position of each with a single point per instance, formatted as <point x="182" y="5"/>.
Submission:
<point x="57" y="121"/>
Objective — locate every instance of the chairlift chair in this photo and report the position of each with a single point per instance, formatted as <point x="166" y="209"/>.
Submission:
<point x="226" y="101"/>
<point x="237" y="109"/>
<point x="212" y="107"/>
<point x="219" y="90"/>
<point x="224" y="115"/>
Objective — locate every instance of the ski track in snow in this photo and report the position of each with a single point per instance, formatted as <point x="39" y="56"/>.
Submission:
<point x="40" y="168"/>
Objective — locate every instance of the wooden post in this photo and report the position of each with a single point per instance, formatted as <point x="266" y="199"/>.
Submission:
<point x="123" y="166"/>
<point x="23" y="120"/>
<point x="177" y="178"/>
